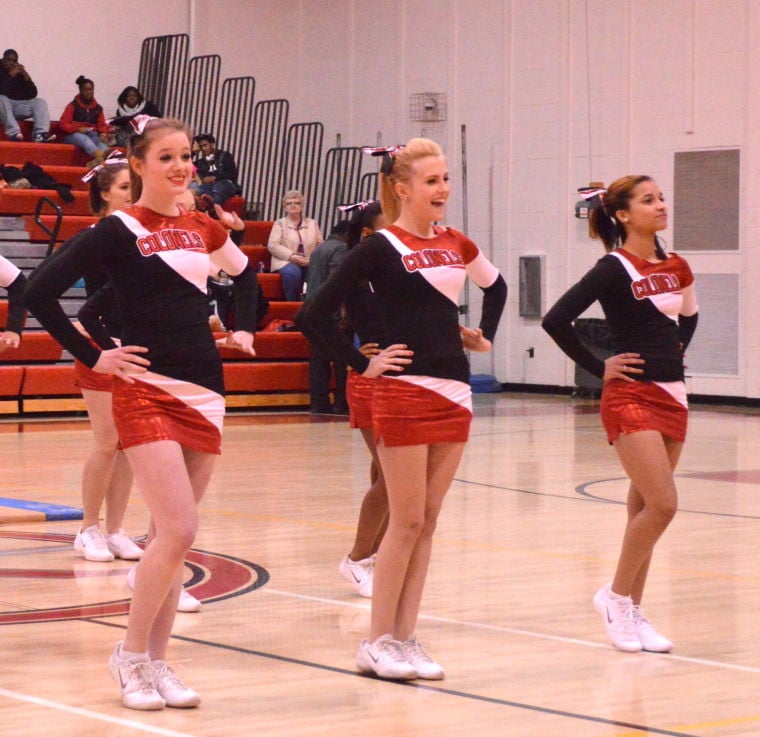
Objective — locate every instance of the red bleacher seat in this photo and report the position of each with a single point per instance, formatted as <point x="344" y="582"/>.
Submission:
<point x="262" y="377"/>
<point x="280" y="311"/>
<point x="24" y="201"/>
<point x="70" y="225"/>
<point x="271" y="285"/>
<point x="257" y="232"/>
<point x="257" y="255"/>
<point x="49" y="381"/>
<point x="59" y="154"/>
<point x="11" y="378"/>
<point x="34" y="347"/>
<point x="271" y="346"/>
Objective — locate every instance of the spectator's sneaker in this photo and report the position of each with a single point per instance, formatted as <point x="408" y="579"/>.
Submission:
<point x="425" y="666"/>
<point x="170" y="687"/>
<point x="187" y="602"/>
<point x="137" y="681"/>
<point x="359" y="574"/>
<point x="385" y="658"/>
<point x="619" y="622"/>
<point x="121" y="546"/>
<point x="650" y="639"/>
<point x="18" y="138"/>
<point x="44" y="138"/>
<point x="91" y="543"/>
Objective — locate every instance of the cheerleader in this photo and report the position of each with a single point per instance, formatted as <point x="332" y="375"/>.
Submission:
<point x="106" y="475"/>
<point x="422" y="404"/>
<point x="168" y="399"/>
<point x="366" y="322"/>
<point x="649" y="301"/>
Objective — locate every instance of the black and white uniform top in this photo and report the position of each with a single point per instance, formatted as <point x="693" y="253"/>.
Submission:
<point x="650" y="307"/>
<point x="158" y="266"/>
<point x="416" y="283"/>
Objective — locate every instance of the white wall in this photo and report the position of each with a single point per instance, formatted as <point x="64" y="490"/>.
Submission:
<point x="553" y="93"/>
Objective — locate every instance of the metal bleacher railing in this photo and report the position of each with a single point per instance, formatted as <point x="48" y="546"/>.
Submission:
<point x="273" y="156"/>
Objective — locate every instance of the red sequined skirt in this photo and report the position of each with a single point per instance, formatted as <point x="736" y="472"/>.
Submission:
<point x="421" y="410"/>
<point x="359" y="393"/>
<point x="86" y="378"/>
<point x="629" y="407"/>
<point x="156" y="407"/>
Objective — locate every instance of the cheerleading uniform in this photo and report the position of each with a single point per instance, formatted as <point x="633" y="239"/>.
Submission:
<point x="417" y="282"/>
<point x="158" y="267"/>
<point x="651" y="309"/>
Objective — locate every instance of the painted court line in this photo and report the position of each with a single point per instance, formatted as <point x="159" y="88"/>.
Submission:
<point x="148" y="728"/>
<point x="521" y="632"/>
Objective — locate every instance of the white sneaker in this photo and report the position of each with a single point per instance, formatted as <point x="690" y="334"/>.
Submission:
<point x="619" y="621"/>
<point x="174" y="692"/>
<point x="187" y="602"/>
<point x="91" y="543"/>
<point x="359" y="573"/>
<point x="137" y="680"/>
<point x="385" y="658"/>
<point x="651" y="640"/>
<point x="121" y="546"/>
<point x="425" y="666"/>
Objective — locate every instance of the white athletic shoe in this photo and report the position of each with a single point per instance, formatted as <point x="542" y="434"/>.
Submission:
<point x="137" y="681"/>
<point x="385" y="658"/>
<point x="619" y="621"/>
<point x="425" y="666"/>
<point x="173" y="691"/>
<point x="121" y="546"/>
<point x="651" y="640"/>
<point x="359" y="574"/>
<point x="91" y="543"/>
<point x="187" y="602"/>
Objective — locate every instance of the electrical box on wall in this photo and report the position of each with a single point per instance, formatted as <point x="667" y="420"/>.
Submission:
<point x="531" y="272"/>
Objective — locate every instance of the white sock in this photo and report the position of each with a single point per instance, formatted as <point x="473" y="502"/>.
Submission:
<point x="126" y="655"/>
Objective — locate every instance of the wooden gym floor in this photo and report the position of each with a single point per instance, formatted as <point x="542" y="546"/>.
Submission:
<point x="529" y="531"/>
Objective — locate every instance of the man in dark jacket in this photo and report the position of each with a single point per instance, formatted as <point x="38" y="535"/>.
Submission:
<point x="18" y="100"/>
<point x="217" y="170"/>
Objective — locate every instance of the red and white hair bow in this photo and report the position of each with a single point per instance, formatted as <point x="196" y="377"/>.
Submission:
<point x="139" y="122"/>
<point x="387" y="152"/>
<point x="115" y="157"/>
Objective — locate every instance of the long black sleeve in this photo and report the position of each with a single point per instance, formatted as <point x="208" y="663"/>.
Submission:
<point x="558" y="322"/>
<point x="245" y="297"/>
<point x="687" y="324"/>
<point x="494" y="299"/>
<point x="16" y="306"/>
<point x="102" y="302"/>
<point x="50" y="280"/>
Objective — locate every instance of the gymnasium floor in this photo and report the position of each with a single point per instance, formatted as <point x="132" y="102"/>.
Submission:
<point x="529" y="531"/>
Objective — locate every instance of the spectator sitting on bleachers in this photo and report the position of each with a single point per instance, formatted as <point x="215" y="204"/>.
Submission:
<point x="217" y="170"/>
<point x="130" y="103"/>
<point x="83" y="123"/>
<point x="291" y="242"/>
<point x="18" y="100"/>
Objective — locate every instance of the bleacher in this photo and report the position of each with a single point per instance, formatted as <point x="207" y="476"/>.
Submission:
<point x="38" y="377"/>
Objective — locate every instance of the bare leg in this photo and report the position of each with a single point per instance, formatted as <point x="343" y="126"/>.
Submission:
<point x="169" y="483"/>
<point x="98" y="467"/>
<point x="117" y="494"/>
<point x="417" y="478"/>
<point x="649" y="460"/>
<point x="443" y="461"/>
<point x="373" y="514"/>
